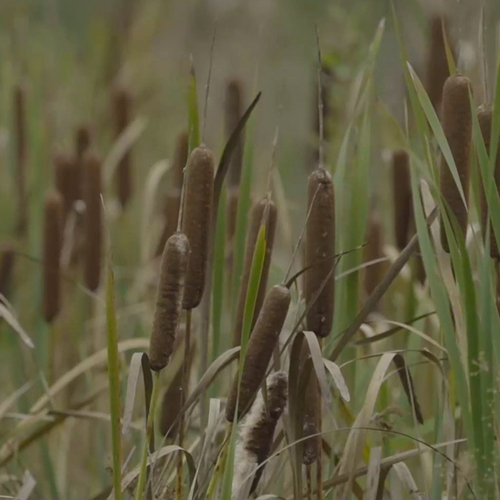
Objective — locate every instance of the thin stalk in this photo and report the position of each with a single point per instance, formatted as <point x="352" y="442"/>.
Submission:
<point x="220" y="466"/>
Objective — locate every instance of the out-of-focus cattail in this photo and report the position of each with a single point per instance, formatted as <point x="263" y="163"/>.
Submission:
<point x="197" y="221"/>
<point x="257" y="431"/>
<point x="20" y="133"/>
<point x="63" y="170"/>
<point x="311" y="423"/>
<point x="122" y="103"/>
<point x="7" y="258"/>
<point x="174" y="192"/>
<point x="457" y="127"/>
<point x="320" y="253"/>
<point x="484" y="116"/>
<point x="82" y="144"/>
<point x="262" y="342"/>
<point x="52" y="244"/>
<point x="373" y="251"/>
<point x="402" y="196"/>
<point x="263" y="212"/>
<point x="93" y="219"/>
<point x="169" y="300"/>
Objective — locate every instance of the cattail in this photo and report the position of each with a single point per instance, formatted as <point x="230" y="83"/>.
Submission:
<point x="93" y="219"/>
<point x="173" y="196"/>
<point x="233" y="112"/>
<point x="169" y="300"/>
<point x="484" y="116"/>
<point x="257" y="431"/>
<point x="7" y="257"/>
<point x="52" y="244"/>
<point x="20" y="132"/>
<point x="402" y="196"/>
<point x="82" y="144"/>
<point x="63" y="170"/>
<point x="122" y="102"/>
<point x="311" y="423"/>
<point x="260" y="347"/>
<point x="197" y="221"/>
<point x="263" y="212"/>
<point x="320" y="253"/>
<point x="437" y="63"/>
<point x="457" y="126"/>
<point x="373" y="251"/>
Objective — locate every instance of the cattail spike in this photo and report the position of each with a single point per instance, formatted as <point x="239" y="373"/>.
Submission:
<point x="373" y="251"/>
<point x="402" y="196"/>
<point x="260" y="348"/>
<point x="233" y="112"/>
<point x="7" y="259"/>
<point x="320" y="253"/>
<point x="122" y="102"/>
<point x="457" y="127"/>
<point x="169" y="300"/>
<point x="197" y="221"/>
<point x="20" y="133"/>
<point x="263" y="212"/>
<point x="52" y="245"/>
<point x="63" y="171"/>
<point x="93" y="219"/>
<point x="82" y="144"/>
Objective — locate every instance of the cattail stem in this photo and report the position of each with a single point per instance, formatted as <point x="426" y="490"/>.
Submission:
<point x="185" y="385"/>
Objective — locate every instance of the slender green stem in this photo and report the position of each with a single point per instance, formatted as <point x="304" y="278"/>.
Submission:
<point x="220" y="465"/>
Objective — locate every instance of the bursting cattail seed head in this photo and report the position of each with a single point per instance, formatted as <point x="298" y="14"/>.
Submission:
<point x="169" y="300"/>
<point x="402" y="196"/>
<point x="257" y="431"/>
<point x="457" y="127"/>
<point x="122" y="102"/>
<point x="197" y="220"/>
<point x="485" y="117"/>
<point x="261" y="344"/>
<point x="320" y="253"/>
<point x="52" y="245"/>
<point x="263" y="212"/>
<point x="93" y="219"/>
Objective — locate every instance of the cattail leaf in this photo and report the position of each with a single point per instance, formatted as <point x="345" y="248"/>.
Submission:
<point x="450" y="58"/>
<point x="11" y="400"/>
<point x="319" y="366"/>
<point x="27" y="488"/>
<point x="14" y="324"/>
<point x="338" y="378"/>
<point x="406" y="478"/>
<point x="372" y="478"/>
<point x="193" y="113"/>
<point x="408" y="386"/>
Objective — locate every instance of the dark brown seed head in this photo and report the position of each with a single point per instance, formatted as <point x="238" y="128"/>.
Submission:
<point x="82" y="140"/>
<point x="233" y="112"/>
<point x="63" y="172"/>
<point x="52" y="245"/>
<point x="401" y="188"/>
<point x="20" y="133"/>
<point x="261" y="344"/>
<point x="373" y="251"/>
<point x="437" y="64"/>
<point x="320" y="253"/>
<point x="197" y="220"/>
<point x="82" y="144"/>
<point x="311" y="423"/>
<point x="122" y="102"/>
<point x="457" y="127"/>
<point x="169" y="300"/>
<point x="7" y="257"/>
<point x="259" y="438"/>
<point x="263" y="212"/>
<point x="93" y="219"/>
<point x="484" y="116"/>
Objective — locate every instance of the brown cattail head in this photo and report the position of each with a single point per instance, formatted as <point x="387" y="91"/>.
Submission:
<point x="373" y="251"/>
<point x="93" y="219"/>
<point x="233" y="112"/>
<point x="484" y="116"/>
<point x="197" y="220"/>
<point x="82" y="140"/>
<point x="52" y="244"/>
<point x="311" y="423"/>
<point x="263" y="212"/>
<point x="7" y="257"/>
<point x="320" y="253"/>
<point x="437" y="64"/>
<point x="122" y="102"/>
<point x="258" y="430"/>
<point x="402" y="196"/>
<point x="82" y="144"/>
<point x="457" y="127"/>
<point x="262" y="342"/>
<point x="63" y="171"/>
<point x="20" y="133"/>
<point x="169" y="300"/>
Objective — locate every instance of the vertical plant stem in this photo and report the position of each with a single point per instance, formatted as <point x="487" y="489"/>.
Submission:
<point x="221" y="463"/>
<point x="185" y="384"/>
